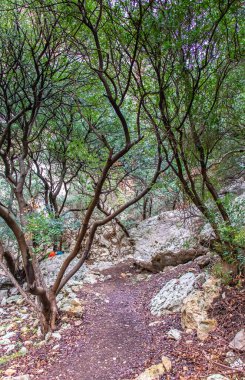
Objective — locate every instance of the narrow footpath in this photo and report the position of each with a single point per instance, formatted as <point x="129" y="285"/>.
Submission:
<point x="117" y="338"/>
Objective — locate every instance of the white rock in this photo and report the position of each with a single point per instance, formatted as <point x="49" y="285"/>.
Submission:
<point x="5" y="342"/>
<point x="9" y="334"/>
<point x="174" y="334"/>
<point x="238" y="343"/>
<point x="165" y="240"/>
<point x="217" y="377"/>
<point x="23" y="351"/>
<point x="10" y="348"/>
<point x="56" y="335"/>
<point x="233" y="360"/>
<point x="4" y="301"/>
<point x="172" y="295"/>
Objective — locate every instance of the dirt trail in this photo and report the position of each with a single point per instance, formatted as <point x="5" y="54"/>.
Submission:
<point x="116" y="340"/>
<point x="117" y="337"/>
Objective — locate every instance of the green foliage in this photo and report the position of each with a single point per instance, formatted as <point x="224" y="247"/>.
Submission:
<point x="219" y="272"/>
<point x="45" y="229"/>
<point x="234" y="234"/>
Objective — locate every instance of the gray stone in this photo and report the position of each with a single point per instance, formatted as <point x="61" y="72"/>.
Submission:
<point x="9" y="334"/>
<point x="165" y="240"/>
<point x="5" y="342"/>
<point x="13" y="299"/>
<point x="233" y="360"/>
<point x="10" y="348"/>
<point x="3" y="294"/>
<point x="5" y="282"/>
<point x="238" y="343"/>
<point x="171" y="296"/>
<point x="4" y="301"/>
<point x="23" y="351"/>
<point x="203" y="261"/>
<point x="56" y="335"/>
<point x="2" y="311"/>
<point x="174" y="334"/>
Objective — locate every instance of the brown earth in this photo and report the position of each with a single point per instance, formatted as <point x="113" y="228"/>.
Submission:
<point x="118" y="337"/>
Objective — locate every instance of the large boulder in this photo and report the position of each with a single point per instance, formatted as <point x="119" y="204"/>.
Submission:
<point x="166" y="240"/>
<point x="170" y="298"/>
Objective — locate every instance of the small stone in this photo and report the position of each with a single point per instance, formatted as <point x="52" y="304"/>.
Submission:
<point x="5" y="342"/>
<point x="4" y="301"/>
<point x="166" y="363"/>
<point x="24" y="330"/>
<point x="39" y="332"/>
<point x="233" y="361"/>
<point x="9" y="334"/>
<point x="203" y="261"/>
<point x="36" y="323"/>
<point x="238" y="343"/>
<point x="10" y="372"/>
<point x="155" y="323"/>
<point x="217" y="377"/>
<point x="11" y="326"/>
<point x="20" y="301"/>
<point x="75" y="288"/>
<point x="152" y="373"/>
<point x="174" y="334"/>
<point x="10" y="348"/>
<point x="23" y="351"/>
<point x="78" y="323"/>
<point x="28" y="342"/>
<point x="48" y="336"/>
<point x="56" y="347"/>
<point x="56" y="335"/>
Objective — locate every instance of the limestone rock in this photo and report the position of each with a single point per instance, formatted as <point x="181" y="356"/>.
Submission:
<point x="3" y="294"/>
<point x="166" y="363"/>
<point x="203" y="261"/>
<point x="233" y="360"/>
<point x="10" y="348"/>
<point x="174" y="334"/>
<point x="171" y="296"/>
<point x="238" y="343"/>
<point x="153" y="373"/>
<point x="23" y="351"/>
<point x="5" y="282"/>
<point x="56" y="335"/>
<point x="73" y="306"/>
<point x="194" y="312"/>
<point x="10" y="372"/>
<point x="165" y="240"/>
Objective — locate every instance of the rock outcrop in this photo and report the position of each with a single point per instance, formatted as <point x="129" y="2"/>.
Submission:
<point x="166" y="240"/>
<point x="110" y="243"/>
<point x="170" y="298"/>
<point x="194" y="312"/>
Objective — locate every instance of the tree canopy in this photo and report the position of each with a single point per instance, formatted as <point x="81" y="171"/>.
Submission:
<point x="105" y="103"/>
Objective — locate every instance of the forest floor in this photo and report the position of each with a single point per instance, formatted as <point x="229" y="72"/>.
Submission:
<point x="118" y="338"/>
